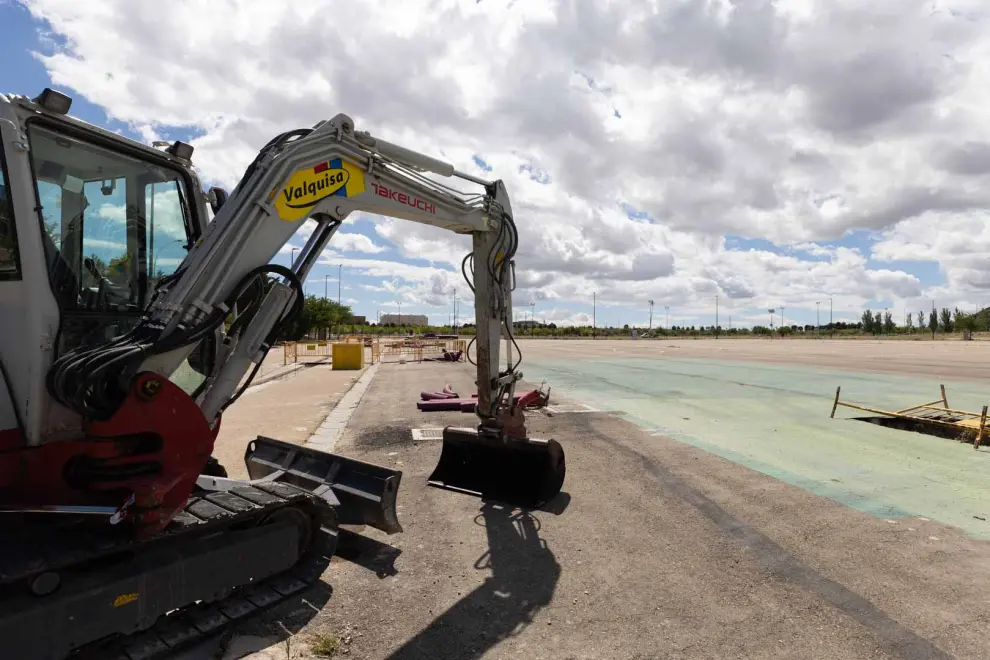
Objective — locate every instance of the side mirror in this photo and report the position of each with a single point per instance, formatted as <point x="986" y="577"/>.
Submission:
<point x="217" y="197"/>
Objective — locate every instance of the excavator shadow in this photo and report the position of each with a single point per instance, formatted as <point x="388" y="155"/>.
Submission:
<point x="367" y="552"/>
<point x="558" y="504"/>
<point x="524" y="576"/>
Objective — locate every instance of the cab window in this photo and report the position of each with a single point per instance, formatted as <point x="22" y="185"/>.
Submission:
<point x="9" y="265"/>
<point x="113" y="224"/>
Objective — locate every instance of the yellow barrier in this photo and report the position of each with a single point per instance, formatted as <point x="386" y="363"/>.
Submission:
<point x="307" y="348"/>
<point x="348" y="355"/>
<point x="397" y="348"/>
<point x="414" y="349"/>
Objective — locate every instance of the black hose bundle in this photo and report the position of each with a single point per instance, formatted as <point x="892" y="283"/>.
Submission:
<point x="95" y="381"/>
<point x="493" y="262"/>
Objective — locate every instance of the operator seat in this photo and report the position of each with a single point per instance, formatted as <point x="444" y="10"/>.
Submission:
<point x="64" y="283"/>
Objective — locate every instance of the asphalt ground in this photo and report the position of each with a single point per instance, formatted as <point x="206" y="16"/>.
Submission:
<point x="663" y="550"/>
<point x="660" y="548"/>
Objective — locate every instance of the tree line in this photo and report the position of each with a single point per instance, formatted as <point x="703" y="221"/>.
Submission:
<point x="320" y="318"/>
<point x="944" y="320"/>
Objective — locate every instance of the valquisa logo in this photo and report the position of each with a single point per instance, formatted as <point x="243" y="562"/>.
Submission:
<point x="307" y="187"/>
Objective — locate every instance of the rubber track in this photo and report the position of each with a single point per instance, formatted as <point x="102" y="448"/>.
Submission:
<point x="196" y="622"/>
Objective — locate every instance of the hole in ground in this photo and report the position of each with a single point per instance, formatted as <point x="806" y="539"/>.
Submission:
<point x="920" y="427"/>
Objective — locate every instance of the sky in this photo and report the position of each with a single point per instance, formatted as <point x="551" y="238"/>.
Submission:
<point x="795" y="155"/>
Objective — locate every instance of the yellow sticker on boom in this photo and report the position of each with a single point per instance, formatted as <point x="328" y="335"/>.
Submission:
<point x="305" y="188"/>
<point x="124" y="599"/>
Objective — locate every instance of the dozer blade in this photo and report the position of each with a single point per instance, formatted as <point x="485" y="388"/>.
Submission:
<point x="526" y="473"/>
<point x="366" y="492"/>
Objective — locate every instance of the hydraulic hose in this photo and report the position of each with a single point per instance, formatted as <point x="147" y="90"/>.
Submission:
<point x="94" y="381"/>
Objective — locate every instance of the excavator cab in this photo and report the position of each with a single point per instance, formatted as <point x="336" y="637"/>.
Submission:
<point x="121" y="522"/>
<point x="113" y="225"/>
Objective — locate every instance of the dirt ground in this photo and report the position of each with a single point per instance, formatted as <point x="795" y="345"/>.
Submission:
<point x="940" y="359"/>
<point x="657" y="549"/>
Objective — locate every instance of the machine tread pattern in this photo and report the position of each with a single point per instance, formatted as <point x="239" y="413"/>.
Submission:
<point x="61" y="548"/>
<point x="199" y="622"/>
<point x="203" y="513"/>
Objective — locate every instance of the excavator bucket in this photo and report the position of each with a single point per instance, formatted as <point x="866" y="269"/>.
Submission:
<point x="523" y="472"/>
<point x="366" y="492"/>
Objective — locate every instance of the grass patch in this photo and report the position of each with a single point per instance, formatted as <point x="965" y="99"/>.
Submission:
<point x="326" y="645"/>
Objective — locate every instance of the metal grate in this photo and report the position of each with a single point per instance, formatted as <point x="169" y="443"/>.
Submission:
<point x="427" y="434"/>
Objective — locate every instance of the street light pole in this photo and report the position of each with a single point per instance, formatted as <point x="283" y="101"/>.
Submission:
<point x="716" y="316"/>
<point x="818" y="320"/>
<point x="651" y="315"/>
<point x="667" y="310"/>
<point x="326" y="279"/>
<point x="594" y="314"/>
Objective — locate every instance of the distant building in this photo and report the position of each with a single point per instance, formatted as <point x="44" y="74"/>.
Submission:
<point x="357" y="320"/>
<point x="404" y="319"/>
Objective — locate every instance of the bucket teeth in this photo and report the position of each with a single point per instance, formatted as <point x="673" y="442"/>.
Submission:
<point x="526" y="473"/>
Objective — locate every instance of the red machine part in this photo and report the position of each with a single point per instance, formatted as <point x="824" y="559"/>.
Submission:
<point x="154" y="448"/>
<point x="11" y="438"/>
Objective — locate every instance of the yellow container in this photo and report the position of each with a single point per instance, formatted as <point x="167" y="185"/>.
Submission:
<point x="348" y="356"/>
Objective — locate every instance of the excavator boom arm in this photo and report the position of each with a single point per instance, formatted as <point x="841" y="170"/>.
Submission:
<point x="325" y="174"/>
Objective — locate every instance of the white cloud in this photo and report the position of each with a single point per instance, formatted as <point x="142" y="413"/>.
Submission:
<point x="791" y="122"/>
<point x="115" y="213"/>
<point x="414" y="285"/>
<point x="101" y="244"/>
<point x="958" y="243"/>
<point x="355" y="243"/>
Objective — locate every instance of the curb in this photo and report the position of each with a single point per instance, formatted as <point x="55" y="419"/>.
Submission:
<point x="333" y="425"/>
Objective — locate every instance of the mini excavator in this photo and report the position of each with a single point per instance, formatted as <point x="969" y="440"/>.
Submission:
<point x="131" y="321"/>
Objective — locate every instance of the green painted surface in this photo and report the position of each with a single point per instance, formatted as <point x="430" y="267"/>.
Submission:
<point x="775" y="419"/>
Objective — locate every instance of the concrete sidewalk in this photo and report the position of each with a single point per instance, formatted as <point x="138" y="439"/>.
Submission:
<point x="289" y="409"/>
